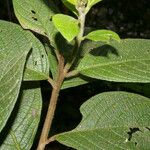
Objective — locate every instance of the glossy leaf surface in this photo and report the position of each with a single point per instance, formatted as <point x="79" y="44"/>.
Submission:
<point x="102" y="35"/>
<point x="66" y="25"/>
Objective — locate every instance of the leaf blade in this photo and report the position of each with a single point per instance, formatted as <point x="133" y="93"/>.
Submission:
<point x="36" y="15"/>
<point x="52" y="60"/>
<point x="92" y="2"/>
<point x="23" y="129"/>
<point x="120" y="62"/>
<point x="70" y="4"/>
<point x="107" y="119"/>
<point x="74" y="81"/>
<point x="66" y="25"/>
<point x="102" y="35"/>
<point x="14" y="47"/>
<point x="37" y="66"/>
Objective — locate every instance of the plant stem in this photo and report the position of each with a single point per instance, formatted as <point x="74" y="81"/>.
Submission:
<point x="62" y="73"/>
<point x="81" y="18"/>
<point x="52" y="106"/>
<point x="82" y="24"/>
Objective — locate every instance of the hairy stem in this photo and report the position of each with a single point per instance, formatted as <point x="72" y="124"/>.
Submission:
<point x="52" y="105"/>
<point x="81" y="18"/>
<point x="82" y="24"/>
<point x="62" y="73"/>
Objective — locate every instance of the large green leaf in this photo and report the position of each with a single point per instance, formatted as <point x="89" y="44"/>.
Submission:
<point x="36" y="15"/>
<point x="125" y="61"/>
<point x="14" y="47"/>
<point x="20" y="132"/>
<point x="112" y="121"/>
<point x="66" y="25"/>
<point x="37" y="67"/>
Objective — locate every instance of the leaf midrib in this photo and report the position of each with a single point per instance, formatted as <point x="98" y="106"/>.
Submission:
<point x="102" y="128"/>
<point x="17" y="145"/>
<point x="109" y="64"/>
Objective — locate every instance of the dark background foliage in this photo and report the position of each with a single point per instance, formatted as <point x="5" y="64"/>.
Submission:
<point x="130" y="19"/>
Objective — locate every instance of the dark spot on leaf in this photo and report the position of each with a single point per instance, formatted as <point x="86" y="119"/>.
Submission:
<point x="104" y="51"/>
<point x="35" y="63"/>
<point x="42" y="56"/>
<point x="131" y="132"/>
<point x="135" y="143"/>
<point x="0" y="30"/>
<point x="33" y="11"/>
<point x="50" y="19"/>
<point x="34" y="18"/>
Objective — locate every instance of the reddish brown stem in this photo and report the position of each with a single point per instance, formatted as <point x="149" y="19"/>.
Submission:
<point x="62" y="73"/>
<point x="52" y="105"/>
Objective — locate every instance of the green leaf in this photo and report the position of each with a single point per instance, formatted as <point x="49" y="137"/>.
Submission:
<point x="127" y="61"/>
<point x="70" y="4"/>
<point x="52" y="60"/>
<point x="74" y="81"/>
<point x="88" y="46"/>
<point x="111" y="121"/>
<point x="14" y="47"/>
<point x="37" y="67"/>
<point x="33" y="75"/>
<point x="73" y="2"/>
<point x="36" y="15"/>
<point x="24" y="120"/>
<point x="92" y="2"/>
<point x="103" y="35"/>
<point x="66" y="25"/>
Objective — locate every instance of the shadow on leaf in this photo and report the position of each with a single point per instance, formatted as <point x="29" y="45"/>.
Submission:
<point x="104" y="51"/>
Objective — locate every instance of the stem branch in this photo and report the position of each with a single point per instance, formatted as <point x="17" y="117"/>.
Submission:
<point x="62" y="73"/>
<point x="79" y="38"/>
<point x="52" y="105"/>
